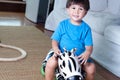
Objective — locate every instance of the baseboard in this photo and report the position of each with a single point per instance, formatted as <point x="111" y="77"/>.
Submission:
<point x="12" y="6"/>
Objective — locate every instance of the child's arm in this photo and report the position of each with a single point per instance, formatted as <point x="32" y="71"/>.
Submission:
<point x="84" y="57"/>
<point x="55" y="47"/>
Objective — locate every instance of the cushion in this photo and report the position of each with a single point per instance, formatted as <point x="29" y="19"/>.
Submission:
<point x="96" y="21"/>
<point x="59" y="4"/>
<point x="114" y="6"/>
<point x="98" y="5"/>
<point x="112" y="33"/>
<point x="52" y="21"/>
<point x="99" y="21"/>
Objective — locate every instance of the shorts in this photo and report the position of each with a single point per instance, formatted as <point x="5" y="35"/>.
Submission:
<point x="90" y="60"/>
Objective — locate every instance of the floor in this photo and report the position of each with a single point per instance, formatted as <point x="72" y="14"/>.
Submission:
<point x="19" y="19"/>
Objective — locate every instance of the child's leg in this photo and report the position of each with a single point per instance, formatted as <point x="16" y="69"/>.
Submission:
<point x="50" y="68"/>
<point x="90" y="71"/>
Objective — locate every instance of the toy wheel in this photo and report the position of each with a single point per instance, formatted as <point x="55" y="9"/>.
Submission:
<point x="42" y="71"/>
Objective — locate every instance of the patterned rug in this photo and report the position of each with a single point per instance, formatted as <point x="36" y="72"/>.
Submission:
<point x="34" y="42"/>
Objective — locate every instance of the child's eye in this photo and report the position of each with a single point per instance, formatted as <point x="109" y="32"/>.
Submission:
<point x="81" y="9"/>
<point x="73" y="8"/>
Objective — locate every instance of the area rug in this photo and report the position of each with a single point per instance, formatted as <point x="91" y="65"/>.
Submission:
<point x="34" y="42"/>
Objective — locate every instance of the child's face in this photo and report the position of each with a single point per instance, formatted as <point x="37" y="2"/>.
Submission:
<point x="76" y="13"/>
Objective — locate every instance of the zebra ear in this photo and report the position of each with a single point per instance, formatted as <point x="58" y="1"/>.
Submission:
<point x="73" y="50"/>
<point x="64" y="49"/>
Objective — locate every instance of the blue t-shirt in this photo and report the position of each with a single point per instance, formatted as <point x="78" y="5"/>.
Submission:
<point x="71" y="36"/>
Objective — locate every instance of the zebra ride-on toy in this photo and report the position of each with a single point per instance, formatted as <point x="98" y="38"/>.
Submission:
<point x="68" y="66"/>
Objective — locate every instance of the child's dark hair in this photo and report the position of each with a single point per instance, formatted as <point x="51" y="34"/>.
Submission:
<point x="84" y="3"/>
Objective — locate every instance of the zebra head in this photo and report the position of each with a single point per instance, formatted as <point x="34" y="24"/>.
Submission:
<point x="68" y="65"/>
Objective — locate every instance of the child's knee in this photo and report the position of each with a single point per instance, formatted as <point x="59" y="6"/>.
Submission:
<point x="91" y="69"/>
<point x="53" y="61"/>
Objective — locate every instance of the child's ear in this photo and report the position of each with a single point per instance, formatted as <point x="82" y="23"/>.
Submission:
<point x="67" y="9"/>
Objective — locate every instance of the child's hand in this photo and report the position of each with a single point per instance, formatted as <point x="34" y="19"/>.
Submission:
<point x="55" y="48"/>
<point x="83" y="58"/>
<point x="56" y="52"/>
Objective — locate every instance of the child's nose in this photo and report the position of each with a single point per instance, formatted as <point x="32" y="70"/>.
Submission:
<point x="76" y="11"/>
